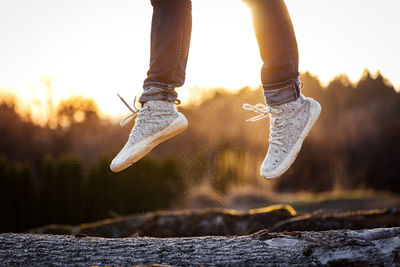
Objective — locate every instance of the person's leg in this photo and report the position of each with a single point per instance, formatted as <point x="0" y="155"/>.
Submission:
<point x="170" y="41"/>
<point x="158" y="119"/>
<point x="291" y="114"/>
<point x="278" y="49"/>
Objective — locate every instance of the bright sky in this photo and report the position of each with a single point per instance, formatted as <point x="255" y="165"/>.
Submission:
<point x="96" y="48"/>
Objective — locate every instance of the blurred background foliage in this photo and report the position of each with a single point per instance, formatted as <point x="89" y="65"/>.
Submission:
<point x="59" y="172"/>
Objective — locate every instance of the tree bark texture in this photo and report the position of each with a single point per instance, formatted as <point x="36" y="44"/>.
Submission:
<point x="373" y="247"/>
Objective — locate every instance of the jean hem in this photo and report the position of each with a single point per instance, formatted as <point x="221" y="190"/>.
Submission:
<point x="280" y="93"/>
<point x="147" y="85"/>
<point x="154" y="93"/>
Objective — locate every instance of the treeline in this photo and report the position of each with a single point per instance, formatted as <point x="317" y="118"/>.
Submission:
<point x="59" y="173"/>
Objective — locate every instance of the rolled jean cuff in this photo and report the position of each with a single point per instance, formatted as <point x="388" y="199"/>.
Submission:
<point x="153" y="93"/>
<point x="280" y="93"/>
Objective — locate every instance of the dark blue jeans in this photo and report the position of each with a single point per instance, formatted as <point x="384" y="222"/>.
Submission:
<point x="170" y="41"/>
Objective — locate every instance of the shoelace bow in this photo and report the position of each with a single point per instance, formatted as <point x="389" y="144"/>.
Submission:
<point x="275" y="131"/>
<point x="135" y="111"/>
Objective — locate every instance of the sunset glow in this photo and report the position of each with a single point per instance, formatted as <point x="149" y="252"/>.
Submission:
<point x="98" y="48"/>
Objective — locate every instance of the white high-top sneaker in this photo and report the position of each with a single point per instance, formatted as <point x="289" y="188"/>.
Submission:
<point x="156" y="122"/>
<point x="290" y="124"/>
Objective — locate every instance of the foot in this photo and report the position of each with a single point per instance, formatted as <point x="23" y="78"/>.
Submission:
<point x="156" y="122"/>
<point x="290" y="124"/>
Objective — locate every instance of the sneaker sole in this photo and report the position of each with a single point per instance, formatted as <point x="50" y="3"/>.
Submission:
<point x="315" y="111"/>
<point x="142" y="148"/>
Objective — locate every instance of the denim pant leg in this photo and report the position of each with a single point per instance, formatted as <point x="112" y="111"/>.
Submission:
<point x="278" y="48"/>
<point x="170" y="41"/>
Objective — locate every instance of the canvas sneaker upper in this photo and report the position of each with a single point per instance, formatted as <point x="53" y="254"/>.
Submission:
<point x="152" y="118"/>
<point x="156" y="122"/>
<point x="290" y="124"/>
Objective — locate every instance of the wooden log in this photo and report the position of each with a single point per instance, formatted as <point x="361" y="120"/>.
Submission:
<point x="180" y="223"/>
<point x="278" y="218"/>
<point x="335" y="248"/>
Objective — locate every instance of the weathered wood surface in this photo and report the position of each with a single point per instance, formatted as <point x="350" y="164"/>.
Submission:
<point x="375" y="247"/>
<point x="277" y="218"/>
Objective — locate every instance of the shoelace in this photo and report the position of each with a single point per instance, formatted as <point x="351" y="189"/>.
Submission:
<point x="275" y="131"/>
<point x="134" y="109"/>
